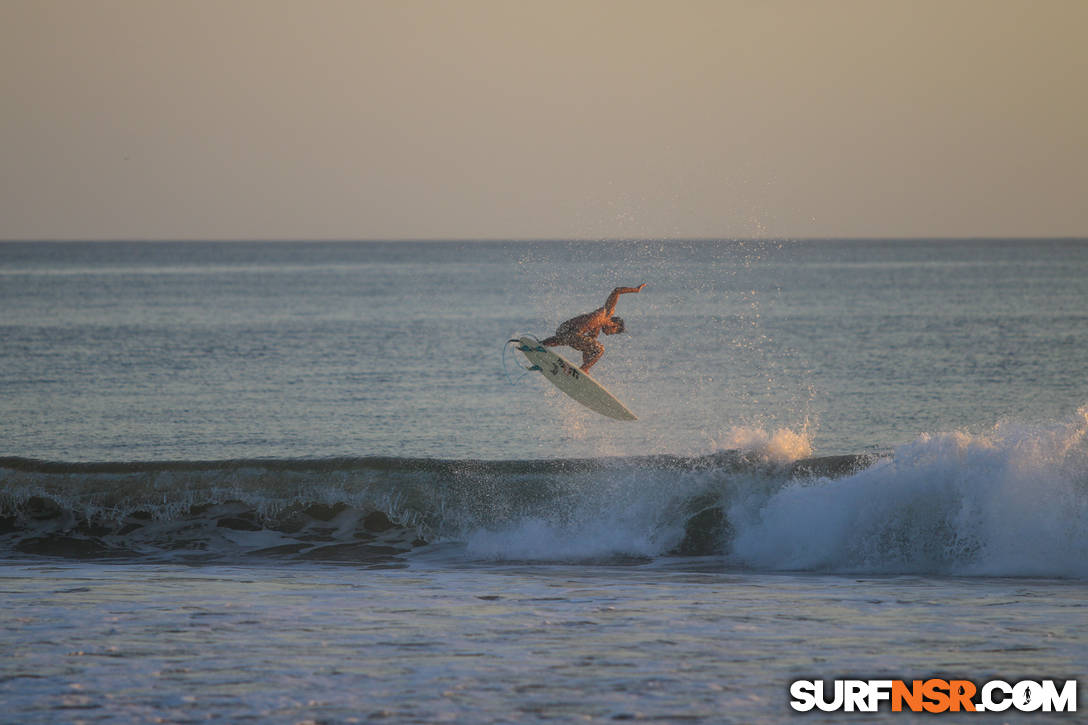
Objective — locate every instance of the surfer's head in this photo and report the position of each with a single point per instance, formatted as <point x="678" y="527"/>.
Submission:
<point x="614" y="326"/>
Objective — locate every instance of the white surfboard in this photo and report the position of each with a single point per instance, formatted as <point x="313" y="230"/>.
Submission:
<point x="573" y="381"/>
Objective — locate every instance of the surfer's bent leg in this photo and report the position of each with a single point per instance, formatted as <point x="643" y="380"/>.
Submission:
<point x="589" y="347"/>
<point x="591" y="350"/>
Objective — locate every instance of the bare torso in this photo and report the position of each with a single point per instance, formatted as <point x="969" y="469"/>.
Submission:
<point x="581" y="332"/>
<point x="589" y="324"/>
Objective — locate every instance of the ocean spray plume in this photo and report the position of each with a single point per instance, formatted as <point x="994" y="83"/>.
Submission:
<point x="782" y="446"/>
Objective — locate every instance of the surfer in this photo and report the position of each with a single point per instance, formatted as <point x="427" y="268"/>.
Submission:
<point x="581" y="332"/>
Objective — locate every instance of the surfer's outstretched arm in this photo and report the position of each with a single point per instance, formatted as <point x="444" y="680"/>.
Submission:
<point x="610" y="303"/>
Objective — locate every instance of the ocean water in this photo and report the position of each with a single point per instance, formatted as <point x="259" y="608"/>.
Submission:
<point x="290" y="482"/>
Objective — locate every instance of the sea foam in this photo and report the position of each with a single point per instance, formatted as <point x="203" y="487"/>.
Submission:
<point x="1009" y="502"/>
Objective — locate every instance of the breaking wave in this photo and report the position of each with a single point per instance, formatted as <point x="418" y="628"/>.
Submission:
<point x="1009" y="502"/>
<point x="1013" y="501"/>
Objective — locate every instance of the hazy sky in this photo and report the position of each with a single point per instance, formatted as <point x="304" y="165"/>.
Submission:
<point x="475" y="119"/>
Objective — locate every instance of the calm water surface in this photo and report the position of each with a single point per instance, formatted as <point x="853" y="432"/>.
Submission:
<point x="305" y="482"/>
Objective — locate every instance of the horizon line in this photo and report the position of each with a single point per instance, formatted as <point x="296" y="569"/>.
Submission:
<point x="529" y="240"/>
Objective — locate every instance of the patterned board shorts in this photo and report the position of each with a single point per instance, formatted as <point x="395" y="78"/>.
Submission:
<point x="569" y="336"/>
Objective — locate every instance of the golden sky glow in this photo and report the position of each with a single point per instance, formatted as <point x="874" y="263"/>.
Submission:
<point x="409" y="119"/>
